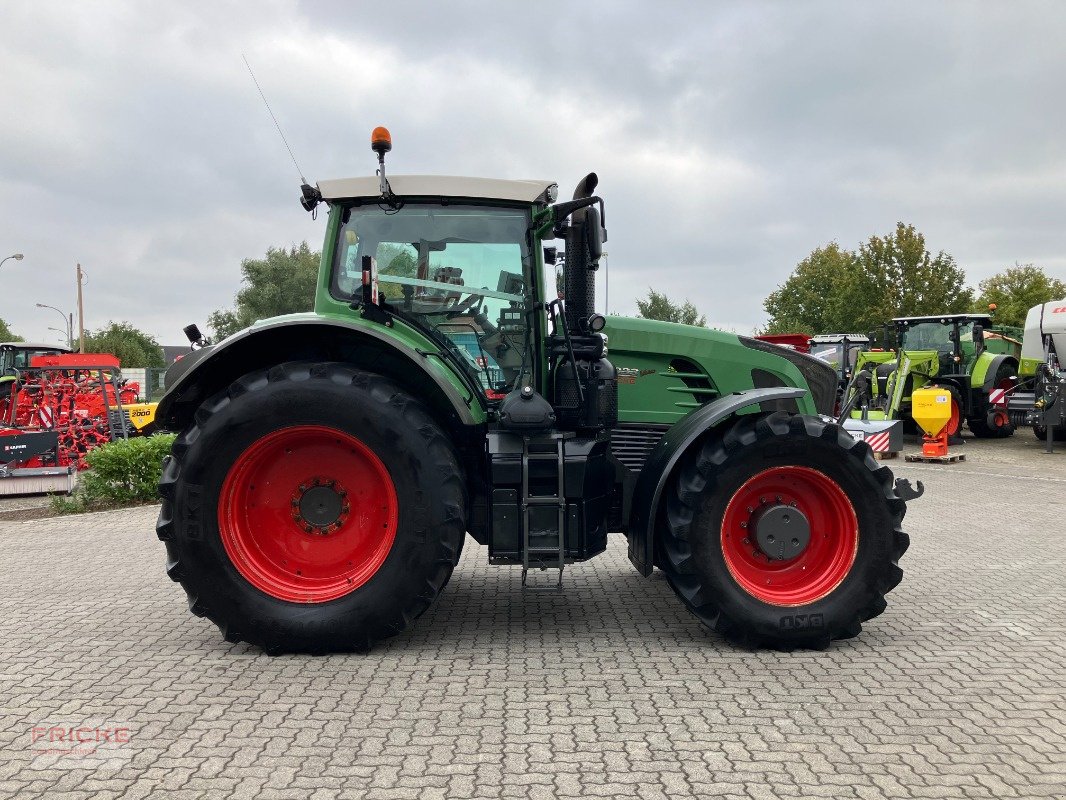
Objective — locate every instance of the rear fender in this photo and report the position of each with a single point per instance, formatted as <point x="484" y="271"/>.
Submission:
<point x="397" y="354"/>
<point x="661" y="463"/>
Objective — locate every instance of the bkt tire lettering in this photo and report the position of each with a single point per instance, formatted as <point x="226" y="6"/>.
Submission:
<point x="802" y="622"/>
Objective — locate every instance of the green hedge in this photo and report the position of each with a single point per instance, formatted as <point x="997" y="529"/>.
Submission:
<point x="122" y="473"/>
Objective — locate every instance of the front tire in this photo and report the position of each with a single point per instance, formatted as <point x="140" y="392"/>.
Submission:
<point x="714" y="548"/>
<point x="312" y="508"/>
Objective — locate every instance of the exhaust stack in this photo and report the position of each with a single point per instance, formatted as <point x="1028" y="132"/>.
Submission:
<point x="582" y="258"/>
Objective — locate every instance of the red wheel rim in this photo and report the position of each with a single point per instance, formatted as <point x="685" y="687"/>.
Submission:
<point x="955" y="420"/>
<point x="276" y="514"/>
<point x="829" y="555"/>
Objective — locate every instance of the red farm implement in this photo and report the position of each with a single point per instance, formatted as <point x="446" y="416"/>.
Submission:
<point x="791" y="341"/>
<point x="53" y="413"/>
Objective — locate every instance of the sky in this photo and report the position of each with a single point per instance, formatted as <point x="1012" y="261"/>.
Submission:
<point x="730" y="139"/>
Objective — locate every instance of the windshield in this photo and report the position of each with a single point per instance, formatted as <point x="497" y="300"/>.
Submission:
<point x="20" y="359"/>
<point x="461" y="270"/>
<point x="829" y="353"/>
<point x="928" y="336"/>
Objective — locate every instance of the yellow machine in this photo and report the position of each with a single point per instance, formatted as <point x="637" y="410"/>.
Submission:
<point x="141" y="417"/>
<point x="931" y="410"/>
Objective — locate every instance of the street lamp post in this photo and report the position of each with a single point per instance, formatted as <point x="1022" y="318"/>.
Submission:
<point x="66" y="323"/>
<point x="16" y="256"/>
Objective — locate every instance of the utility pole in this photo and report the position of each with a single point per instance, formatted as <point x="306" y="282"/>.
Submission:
<point x="81" y="315"/>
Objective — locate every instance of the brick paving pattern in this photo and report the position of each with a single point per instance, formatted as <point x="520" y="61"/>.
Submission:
<point x="608" y="690"/>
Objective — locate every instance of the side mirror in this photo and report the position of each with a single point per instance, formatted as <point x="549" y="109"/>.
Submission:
<point x="594" y="234"/>
<point x="978" y="333"/>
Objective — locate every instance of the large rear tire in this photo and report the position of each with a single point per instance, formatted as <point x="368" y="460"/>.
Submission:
<point x="312" y="508"/>
<point x="768" y="468"/>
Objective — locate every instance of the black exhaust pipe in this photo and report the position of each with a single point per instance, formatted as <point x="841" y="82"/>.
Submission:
<point x="579" y="277"/>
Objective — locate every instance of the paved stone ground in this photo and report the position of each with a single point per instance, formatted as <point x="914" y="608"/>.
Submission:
<point x="609" y="690"/>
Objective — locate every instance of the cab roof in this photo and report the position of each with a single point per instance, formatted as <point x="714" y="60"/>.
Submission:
<point x="943" y="318"/>
<point x="523" y="191"/>
<point x="833" y="338"/>
<point x="33" y="346"/>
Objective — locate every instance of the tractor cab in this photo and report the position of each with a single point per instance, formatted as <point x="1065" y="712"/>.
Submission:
<point x="840" y="351"/>
<point x="956" y="339"/>
<point x="17" y="355"/>
<point x="463" y="273"/>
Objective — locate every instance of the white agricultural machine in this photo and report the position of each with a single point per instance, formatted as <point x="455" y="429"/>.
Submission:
<point x="1040" y="398"/>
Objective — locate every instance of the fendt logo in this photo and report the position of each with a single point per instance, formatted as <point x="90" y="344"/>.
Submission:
<point x="1059" y="310"/>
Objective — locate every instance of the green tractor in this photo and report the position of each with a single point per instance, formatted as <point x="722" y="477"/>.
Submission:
<point x="959" y="352"/>
<point x="330" y="465"/>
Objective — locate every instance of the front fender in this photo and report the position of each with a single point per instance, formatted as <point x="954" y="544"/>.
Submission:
<point x="984" y="373"/>
<point x="399" y="352"/>
<point x="648" y="492"/>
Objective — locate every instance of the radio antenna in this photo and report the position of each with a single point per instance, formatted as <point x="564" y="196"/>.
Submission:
<point x="299" y="171"/>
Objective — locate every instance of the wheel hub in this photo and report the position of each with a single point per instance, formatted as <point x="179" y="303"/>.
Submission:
<point x="781" y="531"/>
<point x="320" y="506"/>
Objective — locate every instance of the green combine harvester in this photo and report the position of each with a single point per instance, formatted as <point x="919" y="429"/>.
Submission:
<point x="962" y="353"/>
<point x="330" y="465"/>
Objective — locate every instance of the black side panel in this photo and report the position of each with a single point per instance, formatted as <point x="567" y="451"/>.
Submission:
<point x="663" y="459"/>
<point x="821" y="378"/>
<point x="587" y="487"/>
<point x="24" y="446"/>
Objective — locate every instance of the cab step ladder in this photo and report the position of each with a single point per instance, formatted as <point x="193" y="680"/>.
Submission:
<point x="544" y="546"/>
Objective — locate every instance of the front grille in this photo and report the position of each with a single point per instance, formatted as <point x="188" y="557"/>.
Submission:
<point x="820" y="377"/>
<point x="632" y="444"/>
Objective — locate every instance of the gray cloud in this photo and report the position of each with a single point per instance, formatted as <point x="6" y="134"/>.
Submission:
<point x="730" y="138"/>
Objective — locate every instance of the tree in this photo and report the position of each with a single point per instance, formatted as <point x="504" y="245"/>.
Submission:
<point x="834" y="290"/>
<point x="820" y="296"/>
<point x="7" y="335"/>
<point x="132" y="347"/>
<point x="282" y="283"/>
<point x="1017" y="289"/>
<point x="659" y="306"/>
<point x="900" y="278"/>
